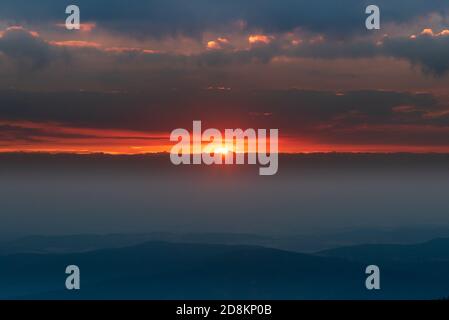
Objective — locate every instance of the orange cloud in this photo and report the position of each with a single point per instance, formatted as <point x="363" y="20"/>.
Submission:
<point x="259" y="38"/>
<point x="431" y="33"/>
<point x="20" y="28"/>
<point x="217" y="44"/>
<point x="213" y="45"/>
<point x="84" y="27"/>
<point x="76" y="44"/>
<point x="88" y="27"/>
<point x="427" y="32"/>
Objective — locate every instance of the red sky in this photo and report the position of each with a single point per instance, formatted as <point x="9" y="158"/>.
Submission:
<point x="56" y="138"/>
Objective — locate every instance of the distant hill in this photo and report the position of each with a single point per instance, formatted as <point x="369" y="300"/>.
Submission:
<point x="434" y="250"/>
<point x="91" y="242"/>
<point x="305" y="243"/>
<point x="160" y="270"/>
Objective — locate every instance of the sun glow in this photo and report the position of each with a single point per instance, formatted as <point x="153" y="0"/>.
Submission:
<point x="222" y="150"/>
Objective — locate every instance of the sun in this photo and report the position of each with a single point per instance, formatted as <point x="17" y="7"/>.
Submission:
<point x="222" y="150"/>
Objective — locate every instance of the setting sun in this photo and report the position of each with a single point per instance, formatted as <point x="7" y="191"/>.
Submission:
<point x="221" y="150"/>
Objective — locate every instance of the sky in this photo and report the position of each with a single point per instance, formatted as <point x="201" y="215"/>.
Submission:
<point x="137" y="70"/>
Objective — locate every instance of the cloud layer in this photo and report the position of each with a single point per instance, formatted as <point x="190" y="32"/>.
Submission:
<point x="160" y="18"/>
<point x="309" y="68"/>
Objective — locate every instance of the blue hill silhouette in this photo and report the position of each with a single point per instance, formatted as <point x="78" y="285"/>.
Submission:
<point x="161" y="270"/>
<point x="434" y="250"/>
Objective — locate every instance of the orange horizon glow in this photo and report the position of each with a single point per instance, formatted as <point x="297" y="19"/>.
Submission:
<point x="59" y="138"/>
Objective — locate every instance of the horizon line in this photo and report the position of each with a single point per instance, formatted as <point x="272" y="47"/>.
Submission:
<point x="168" y="153"/>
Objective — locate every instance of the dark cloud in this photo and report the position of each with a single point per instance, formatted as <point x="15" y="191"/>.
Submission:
<point x="11" y="133"/>
<point x="25" y="49"/>
<point x="431" y="53"/>
<point x="357" y="117"/>
<point x="161" y="110"/>
<point x="151" y="18"/>
<point x="25" y="132"/>
<point x="88" y="65"/>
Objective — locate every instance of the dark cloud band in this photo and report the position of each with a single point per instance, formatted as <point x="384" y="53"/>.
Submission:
<point x="144" y="18"/>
